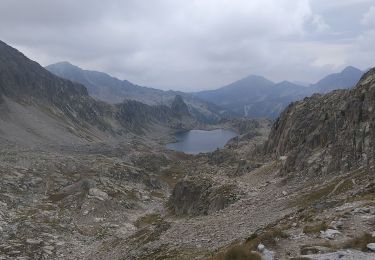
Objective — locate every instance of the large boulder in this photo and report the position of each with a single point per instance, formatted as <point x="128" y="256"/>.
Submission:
<point x="200" y="196"/>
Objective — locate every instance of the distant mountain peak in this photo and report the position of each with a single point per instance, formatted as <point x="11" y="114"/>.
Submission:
<point x="347" y="78"/>
<point x="62" y="65"/>
<point x="253" y="76"/>
<point x="256" y="78"/>
<point x="350" y="69"/>
<point x="286" y="83"/>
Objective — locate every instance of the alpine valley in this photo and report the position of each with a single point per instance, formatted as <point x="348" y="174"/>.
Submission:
<point x="85" y="173"/>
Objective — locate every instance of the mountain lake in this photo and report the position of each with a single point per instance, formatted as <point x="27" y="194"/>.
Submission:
<point x="201" y="141"/>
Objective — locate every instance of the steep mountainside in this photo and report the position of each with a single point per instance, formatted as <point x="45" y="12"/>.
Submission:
<point x="40" y="104"/>
<point x="328" y="133"/>
<point x="256" y="96"/>
<point x="112" y="90"/>
<point x="23" y="78"/>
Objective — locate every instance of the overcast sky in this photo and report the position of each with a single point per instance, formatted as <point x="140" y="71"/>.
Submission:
<point x="195" y="44"/>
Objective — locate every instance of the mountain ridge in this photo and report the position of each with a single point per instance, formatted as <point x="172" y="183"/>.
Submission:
<point x="104" y="87"/>
<point x="256" y="96"/>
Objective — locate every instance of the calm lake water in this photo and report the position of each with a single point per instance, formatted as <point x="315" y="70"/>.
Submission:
<point x="200" y="141"/>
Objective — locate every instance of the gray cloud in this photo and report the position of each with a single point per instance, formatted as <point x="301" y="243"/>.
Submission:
<point x="193" y="44"/>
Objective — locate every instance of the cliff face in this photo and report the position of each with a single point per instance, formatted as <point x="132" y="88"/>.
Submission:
<point x="326" y="133"/>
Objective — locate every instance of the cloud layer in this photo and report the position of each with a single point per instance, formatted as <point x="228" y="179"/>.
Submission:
<point x="194" y="44"/>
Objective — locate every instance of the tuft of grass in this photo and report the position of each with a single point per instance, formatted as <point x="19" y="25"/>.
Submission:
<point x="360" y="242"/>
<point x="310" y="229"/>
<point x="239" y="252"/>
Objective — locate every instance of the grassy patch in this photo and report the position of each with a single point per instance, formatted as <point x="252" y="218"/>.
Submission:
<point x="247" y="250"/>
<point x="314" y="196"/>
<point x="360" y="242"/>
<point x="131" y="194"/>
<point x="363" y="196"/>
<point x="307" y="215"/>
